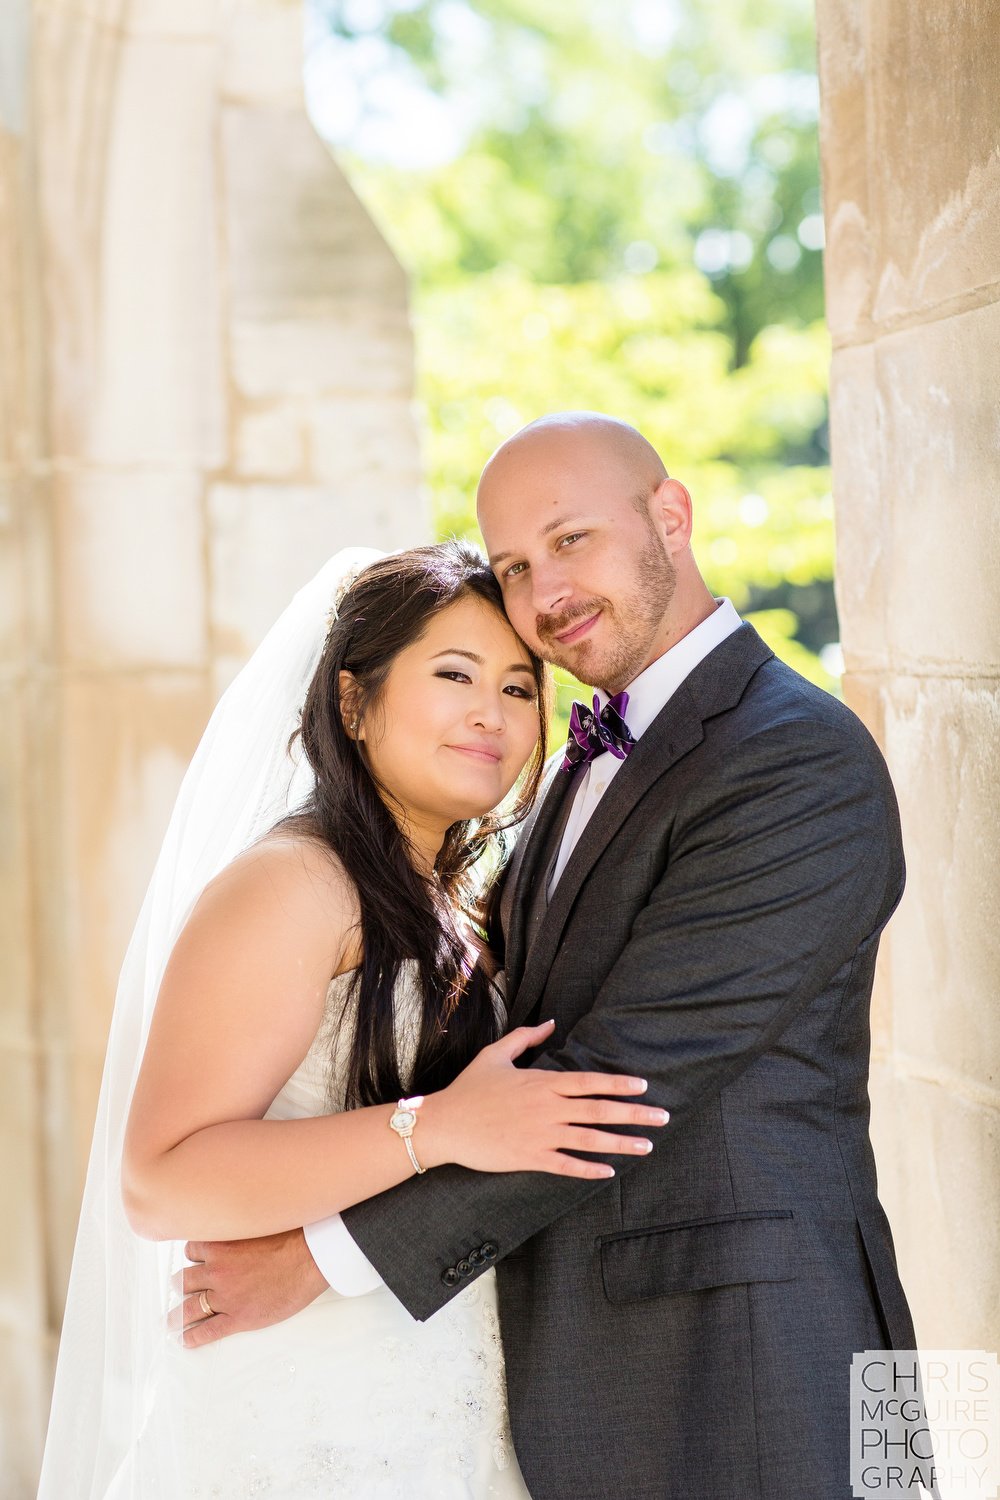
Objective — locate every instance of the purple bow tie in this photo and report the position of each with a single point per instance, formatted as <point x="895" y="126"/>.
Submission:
<point x="592" y="731"/>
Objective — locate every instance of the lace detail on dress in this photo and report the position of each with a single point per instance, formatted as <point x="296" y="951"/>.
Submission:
<point x="332" y="1044"/>
<point x="438" y="1408"/>
<point x="350" y="1399"/>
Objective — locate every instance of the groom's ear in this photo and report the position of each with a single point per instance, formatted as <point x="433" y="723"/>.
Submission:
<point x="350" y="705"/>
<point x="672" y="513"/>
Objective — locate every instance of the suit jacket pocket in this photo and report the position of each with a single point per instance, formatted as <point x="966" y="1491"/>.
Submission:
<point x="666" y="1259"/>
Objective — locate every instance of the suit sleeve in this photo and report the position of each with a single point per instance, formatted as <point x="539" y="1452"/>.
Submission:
<point x="786" y="863"/>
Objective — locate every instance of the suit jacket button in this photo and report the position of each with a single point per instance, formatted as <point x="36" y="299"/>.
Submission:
<point x="450" y="1277"/>
<point x="489" y="1251"/>
<point x="464" y="1267"/>
<point x="476" y="1258"/>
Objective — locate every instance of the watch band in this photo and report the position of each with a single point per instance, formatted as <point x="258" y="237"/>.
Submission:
<point x="403" y="1121"/>
<point x="413" y="1155"/>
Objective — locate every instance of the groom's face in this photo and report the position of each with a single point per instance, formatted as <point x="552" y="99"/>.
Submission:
<point x="586" y="573"/>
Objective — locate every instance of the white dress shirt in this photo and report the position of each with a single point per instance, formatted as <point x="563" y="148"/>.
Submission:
<point x="338" y="1256"/>
<point x="646" y="696"/>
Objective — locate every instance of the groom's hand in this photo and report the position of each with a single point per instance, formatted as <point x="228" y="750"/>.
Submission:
<point x="246" y="1283"/>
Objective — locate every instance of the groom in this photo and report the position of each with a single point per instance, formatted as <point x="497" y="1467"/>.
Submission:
<point x="703" y="910"/>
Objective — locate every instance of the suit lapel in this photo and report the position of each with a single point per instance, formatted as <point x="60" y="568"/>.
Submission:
<point x="648" y="761"/>
<point x="528" y="864"/>
<point x="716" y="684"/>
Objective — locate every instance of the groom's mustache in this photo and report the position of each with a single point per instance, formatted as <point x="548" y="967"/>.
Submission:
<point x="550" y="626"/>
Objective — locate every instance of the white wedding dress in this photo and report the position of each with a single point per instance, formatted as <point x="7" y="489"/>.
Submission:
<point x="351" y="1397"/>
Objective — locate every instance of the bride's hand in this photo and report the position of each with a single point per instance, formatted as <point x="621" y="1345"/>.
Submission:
<point x="498" y="1118"/>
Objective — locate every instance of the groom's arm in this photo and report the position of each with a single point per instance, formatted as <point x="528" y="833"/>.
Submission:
<point x="790" y="860"/>
<point x="342" y="1263"/>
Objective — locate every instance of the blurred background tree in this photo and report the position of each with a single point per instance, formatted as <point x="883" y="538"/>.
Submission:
<point x="611" y="204"/>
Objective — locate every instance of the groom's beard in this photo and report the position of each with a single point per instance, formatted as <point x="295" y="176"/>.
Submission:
<point x="627" y="626"/>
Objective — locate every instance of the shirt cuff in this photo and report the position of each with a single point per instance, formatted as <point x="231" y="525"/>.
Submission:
<point x="340" y="1259"/>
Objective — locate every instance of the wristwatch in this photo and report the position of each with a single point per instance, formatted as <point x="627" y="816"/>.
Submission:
<point x="402" y="1121"/>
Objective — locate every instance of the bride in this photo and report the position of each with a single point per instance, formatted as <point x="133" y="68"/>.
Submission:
<point x="309" y="955"/>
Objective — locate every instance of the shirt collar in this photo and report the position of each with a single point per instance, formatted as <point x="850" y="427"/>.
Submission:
<point x="658" y="682"/>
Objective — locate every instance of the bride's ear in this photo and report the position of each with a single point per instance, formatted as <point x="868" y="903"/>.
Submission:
<point x="350" y="705"/>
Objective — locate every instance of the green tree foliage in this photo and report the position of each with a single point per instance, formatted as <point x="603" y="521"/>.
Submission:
<point x="629" y="223"/>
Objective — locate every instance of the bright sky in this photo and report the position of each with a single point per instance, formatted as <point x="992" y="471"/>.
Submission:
<point x="365" y="95"/>
<point x="362" y="94"/>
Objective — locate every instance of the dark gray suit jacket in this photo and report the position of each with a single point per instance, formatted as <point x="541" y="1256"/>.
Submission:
<point x="684" y="1331"/>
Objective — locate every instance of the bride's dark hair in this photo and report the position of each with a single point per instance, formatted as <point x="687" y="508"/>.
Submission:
<point x="405" y="914"/>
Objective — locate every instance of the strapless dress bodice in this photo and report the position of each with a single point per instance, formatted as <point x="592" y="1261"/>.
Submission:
<point x="350" y="1397"/>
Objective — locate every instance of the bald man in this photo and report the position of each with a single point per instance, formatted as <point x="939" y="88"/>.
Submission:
<point x="697" y="899"/>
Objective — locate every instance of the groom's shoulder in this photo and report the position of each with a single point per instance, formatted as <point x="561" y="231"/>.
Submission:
<point x="780" y="704"/>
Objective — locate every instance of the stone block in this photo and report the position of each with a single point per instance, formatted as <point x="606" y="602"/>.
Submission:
<point x="24" y="1366"/>
<point x="107" y="13"/>
<point x="25" y="1383"/>
<point x="943" y="745"/>
<point x="16" y="1010"/>
<point x="12" y="643"/>
<point x="939" y="1161"/>
<point x="178" y="19"/>
<point x="409" y="524"/>
<point x="29" y="633"/>
<point x="28" y="636"/>
<point x="134" y="309"/>
<point x="345" y="351"/>
<point x="261" y="50"/>
<point x="270" y="444"/>
<point x="16" y="286"/>
<point x="266" y="542"/>
<point x="845" y="159"/>
<point x="15" y="50"/>
<point x="935" y="164"/>
<point x="131" y="570"/>
<point x="940" y="447"/>
<point x="368" y="453"/>
<point x="363" y="440"/>
<point x="22" y="1253"/>
<point x="864" y="694"/>
<point x="71" y="1085"/>
<point x="298" y="237"/>
<point x="882" y="1003"/>
<point x="395" y="505"/>
<point x="895" y="1160"/>
<point x="110" y="779"/>
<point x="862" y="522"/>
<point x="73" y="84"/>
<point x="126" y="744"/>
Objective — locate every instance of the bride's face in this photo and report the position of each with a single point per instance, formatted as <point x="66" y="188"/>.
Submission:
<point x="458" y="716"/>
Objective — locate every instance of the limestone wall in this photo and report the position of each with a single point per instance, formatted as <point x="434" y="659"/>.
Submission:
<point x="205" y="388"/>
<point x="911" y="170"/>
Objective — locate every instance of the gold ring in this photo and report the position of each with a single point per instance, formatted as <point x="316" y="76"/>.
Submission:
<point x="205" y="1305"/>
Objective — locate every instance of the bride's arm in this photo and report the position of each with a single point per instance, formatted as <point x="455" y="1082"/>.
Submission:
<point x="241" y="1001"/>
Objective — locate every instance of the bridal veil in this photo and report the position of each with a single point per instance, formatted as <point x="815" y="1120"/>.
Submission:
<point x="242" y="780"/>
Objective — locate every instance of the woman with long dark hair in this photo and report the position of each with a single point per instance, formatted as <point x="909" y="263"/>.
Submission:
<point x="308" y="1015"/>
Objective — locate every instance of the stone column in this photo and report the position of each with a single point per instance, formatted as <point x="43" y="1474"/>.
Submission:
<point x="205" y="389"/>
<point x="911" y="171"/>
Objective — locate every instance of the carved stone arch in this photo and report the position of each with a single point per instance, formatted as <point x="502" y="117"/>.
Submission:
<point x="206" y="382"/>
<point x="911" y="183"/>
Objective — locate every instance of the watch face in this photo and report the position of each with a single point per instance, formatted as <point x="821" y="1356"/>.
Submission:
<point x="402" y="1119"/>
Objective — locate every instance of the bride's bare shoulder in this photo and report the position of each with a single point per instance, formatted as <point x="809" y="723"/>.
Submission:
<point x="298" y="855"/>
<point x="292" y="879"/>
